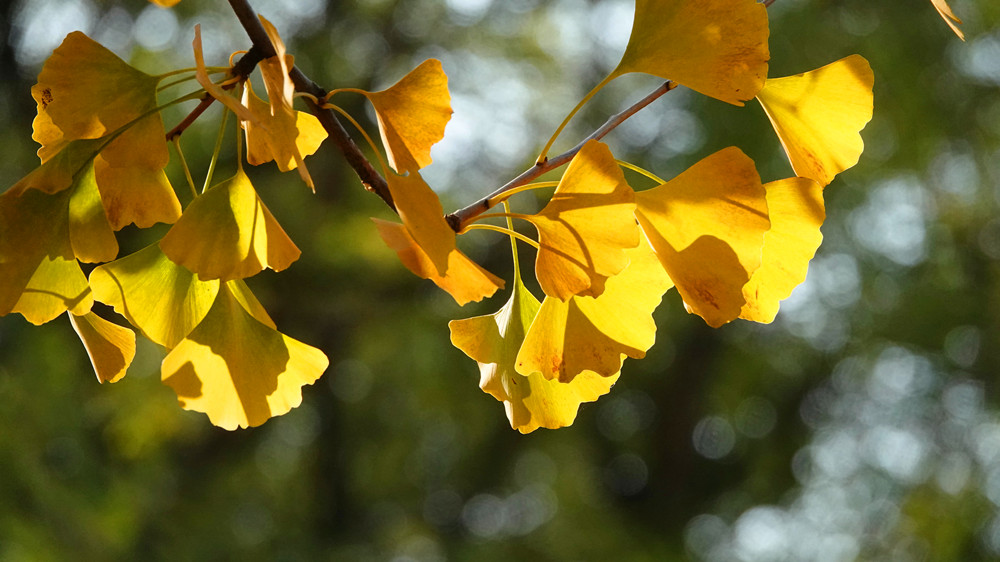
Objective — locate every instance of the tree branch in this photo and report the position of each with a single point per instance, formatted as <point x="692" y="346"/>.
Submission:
<point x="370" y="178"/>
<point x="461" y="217"/>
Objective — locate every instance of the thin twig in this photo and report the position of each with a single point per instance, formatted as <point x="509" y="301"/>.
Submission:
<point x="461" y="217"/>
<point x="370" y="178"/>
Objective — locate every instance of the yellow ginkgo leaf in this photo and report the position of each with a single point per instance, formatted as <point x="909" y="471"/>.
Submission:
<point x="796" y="210"/>
<point x="132" y="194"/>
<point x="530" y="401"/>
<point x="707" y="227"/>
<point x="41" y="237"/>
<point x="165" y="3"/>
<point x="948" y="16"/>
<point x="85" y="91"/>
<point x="421" y="211"/>
<point x="111" y="347"/>
<point x="165" y="301"/>
<point x="594" y="335"/>
<point x="464" y="279"/>
<point x="412" y="115"/>
<point x="227" y="233"/>
<point x="715" y="47"/>
<point x="90" y="234"/>
<point x="59" y="171"/>
<point x="819" y="115"/>
<point x="237" y="370"/>
<point x="289" y="137"/>
<point x="586" y="227"/>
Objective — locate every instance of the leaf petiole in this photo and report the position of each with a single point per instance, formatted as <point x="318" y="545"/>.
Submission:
<point x="371" y="143"/>
<point x="640" y="170"/>
<point x="506" y="231"/>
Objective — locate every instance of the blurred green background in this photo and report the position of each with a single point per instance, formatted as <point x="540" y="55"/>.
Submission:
<point x="862" y="424"/>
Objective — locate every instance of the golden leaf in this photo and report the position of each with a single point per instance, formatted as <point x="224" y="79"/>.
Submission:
<point x="165" y="301"/>
<point x="586" y="227"/>
<point x="135" y="195"/>
<point x="796" y="210"/>
<point x="111" y="347"/>
<point x="464" y="279"/>
<point x="530" y="401"/>
<point x="818" y="116"/>
<point x="707" y="227"/>
<point x="227" y="233"/>
<point x="412" y="115"/>
<point x="237" y="370"/>
<point x="213" y="89"/>
<point x="289" y="137"/>
<point x="421" y="211"/>
<point x="715" y="47"/>
<point x="594" y="335"/>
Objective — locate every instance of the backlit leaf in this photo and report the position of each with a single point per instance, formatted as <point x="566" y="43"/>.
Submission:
<point x="818" y="116"/>
<point x="707" y="227"/>
<point x="412" y="115"/>
<point x="132" y="194"/>
<point x="586" y="227"/>
<point x="85" y="91"/>
<point x="90" y="234"/>
<point x="59" y="171"/>
<point x="796" y="210"/>
<point x="237" y="370"/>
<point x="288" y="138"/>
<point x="464" y="279"/>
<point x="530" y="401"/>
<point x="421" y="211"/>
<point x="594" y="335"/>
<point x="165" y="301"/>
<point x="227" y="233"/>
<point x="715" y="47"/>
<point x="111" y="347"/>
<point x="213" y="89"/>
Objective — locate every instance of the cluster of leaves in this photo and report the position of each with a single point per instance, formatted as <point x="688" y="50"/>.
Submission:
<point x="731" y="245"/>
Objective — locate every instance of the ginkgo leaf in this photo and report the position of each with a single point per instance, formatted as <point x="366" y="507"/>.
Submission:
<point x="596" y="334"/>
<point x="41" y="237"/>
<point x="818" y="116"/>
<point x="530" y="401"/>
<point x="715" y="47"/>
<point x="289" y="137"/>
<point x="464" y="279"/>
<point x="213" y="89"/>
<point x="165" y="301"/>
<point x="90" y="234"/>
<point x="948" y="16"/>
<point x="237" y="370"/>
<point x="707" y="227"/>
<point x="165" y="3"/>
<point x="111" y="347"/>
<point x="421" y="211"/>
<point x="85" y="91"/>
<point x="132" y="194"/>
<point x="412" y="115"/>
<point x="796" y="210"/>
<point x="228" y="233"/>
<point x="60" y="170"/>
<point x="586" y="227"/>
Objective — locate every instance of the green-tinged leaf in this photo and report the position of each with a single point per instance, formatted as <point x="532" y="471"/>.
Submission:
<point x="530" y="401"/>
<point x="134" y="194"/>
<point x="90" y="234"/>
<point x="111" y="347"/>
<point x="165" y="301"/>
<point x="228" y="233"/>
<point x="237" y="370"/>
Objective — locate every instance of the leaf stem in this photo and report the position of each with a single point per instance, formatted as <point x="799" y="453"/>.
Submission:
<point x="509" y="232"/>
<point x="640" y="170"/>
<point x="502" y="198"/>
<point x="216" y="151"/>
<point x="462" y="216"/>
<point x="371" y="143"/>
<point x="184" y="164"/>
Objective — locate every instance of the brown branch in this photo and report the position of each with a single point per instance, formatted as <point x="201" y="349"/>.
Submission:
<point x="461" y="217"/>
<point x="370" y="178"/>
